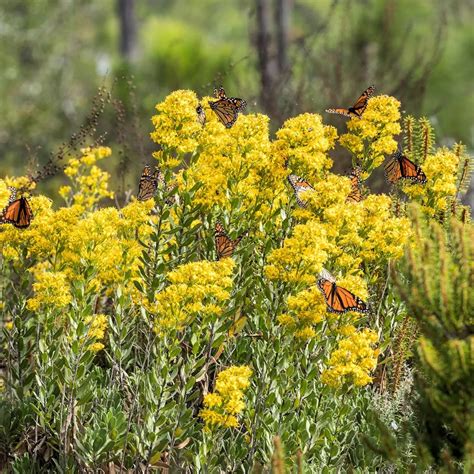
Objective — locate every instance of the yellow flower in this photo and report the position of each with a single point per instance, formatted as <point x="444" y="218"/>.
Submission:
<point x="51" y="289"/>
<point x="286" y="320"/>
<point x="222" y="407"/>
<point x="236" y="164"/>
<point x="233" y="379"/>
<point x="302" y="255"/>
<point x="89" y="182"/>
<point x="440" y="189"/>
<point x="197" y="288"/>
<point x="371" y="137"/>
<point x="305" y="333"/>
<point x="20" y="182"/>
<point x="176" y="125"/>
<point x="308" y="306"/>
<point x="212" y="418"/>
<point x="97" y="326"/>
<point x="303" y="142"/>
<point x="353" y="360"/>
<point x="5" y="194"/>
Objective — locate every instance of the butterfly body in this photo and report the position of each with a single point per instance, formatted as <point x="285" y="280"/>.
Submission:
<point x="338" y="299"/>
<point x="18" y="212"/>
<point x="299" y="186"/>
<point x="226" y="108"/>
<point x="400" y="167"/>
<point x="358" y="108"/>
<point x="225" y="246"/>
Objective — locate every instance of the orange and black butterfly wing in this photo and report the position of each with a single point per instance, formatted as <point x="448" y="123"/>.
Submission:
<point x="358" y="108"/>
<point x="148" y="183"/>
<point x="18" y="213"/>
<point x="227" y="108"/>
<point x="393" y="170"/>
<point x="328" y="289"/>
<point x="400" y="167"/>
<point x="340" y="300"/>
<point x="355" y="195"/>
<point x="225" y="246"/>
<point x="226" y="112"/>
<point x="361" y="104"/>
<point x="25" y="215"/>
<point x="412" y="171"/>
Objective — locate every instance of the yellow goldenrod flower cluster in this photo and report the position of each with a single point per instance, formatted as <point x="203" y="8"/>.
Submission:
<point x="197" y="288"/>
<point x="343" y="234"/>
<point x="235" y="163"/>
<point x="303" y="142"/>
<point x="353" y="239"/>
<point x="97" y="327"/>
<point x="89" y="182"/>
<point x="370" y="137"/>
<point x="353" y="359"/>
<point x="176" y="127"/>
<point x="307" y="307"/>
<point x="224" y="405"/>
<point x="51" y="290"/>
<point x="74" y="241"/>
<point x="5" y="194"/>
<point x="440" y="189"/>
<point x="20" y="182"/>
<point x="302" y="255"/>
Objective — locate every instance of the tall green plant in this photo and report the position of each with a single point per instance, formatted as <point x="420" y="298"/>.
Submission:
<point x="438" y="289"/>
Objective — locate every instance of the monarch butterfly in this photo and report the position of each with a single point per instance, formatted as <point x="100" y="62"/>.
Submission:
<point x="355" y="195"/>
<point x="18" y="212"/>
<point x="227" y="108"/>
<point x="149" y="181"/>
<point x="358" y="108"/>
<point x="225" y="246"/>
<point x="400" y="167"/>
<point x="299" y="186"/>
<point x="201" y="115"/>
<point x="338" y="299"/>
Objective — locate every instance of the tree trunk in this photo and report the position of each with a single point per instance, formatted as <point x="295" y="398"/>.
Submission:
<point x="128" y="28"/>
<point x="267" y="64"/>
<point x="283" y="21"/>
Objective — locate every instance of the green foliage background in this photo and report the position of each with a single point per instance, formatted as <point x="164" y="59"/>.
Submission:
<point x="55" y="53"/>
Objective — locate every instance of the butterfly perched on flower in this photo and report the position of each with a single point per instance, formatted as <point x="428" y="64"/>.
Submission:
<point x="400" y="167"/>
<point x="201" y="115"/>
<point x="356" y="194"/>
<point x="17" y="212"/>
<point x="338" y="299"/>
<point x="148" y="184"/>
<point x="299" y="186"/>
<point x="225" y="246"/>
<point x="358" y="108"/>
<point x="226" y="108"/>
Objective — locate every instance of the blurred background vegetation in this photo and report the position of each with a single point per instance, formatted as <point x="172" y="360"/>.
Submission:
<point x="284" y="56"/>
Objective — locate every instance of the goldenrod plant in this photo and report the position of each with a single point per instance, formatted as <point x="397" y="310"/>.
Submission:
<point x="127" y="343"/>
